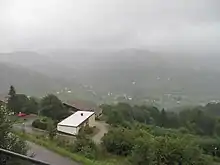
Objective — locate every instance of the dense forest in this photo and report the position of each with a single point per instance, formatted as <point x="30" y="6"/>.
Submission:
<point x="149" y="136"/>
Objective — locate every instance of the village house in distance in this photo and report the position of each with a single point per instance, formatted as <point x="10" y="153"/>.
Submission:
<point x="72" y="124"/>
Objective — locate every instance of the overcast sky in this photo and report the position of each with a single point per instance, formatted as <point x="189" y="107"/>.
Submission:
<point x="154" y="24"/>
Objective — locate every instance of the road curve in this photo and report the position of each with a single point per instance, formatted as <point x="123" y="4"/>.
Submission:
<point x="103" y="129"/>
<point x="48" y="156"/>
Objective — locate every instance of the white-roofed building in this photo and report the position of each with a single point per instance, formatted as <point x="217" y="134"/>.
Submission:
<point x="72" y="124"/>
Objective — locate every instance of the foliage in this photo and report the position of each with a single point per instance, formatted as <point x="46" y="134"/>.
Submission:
<point x="21" y="103"/>
<point x="143" y="148"/>
<point x="51" y="128"/>
<point x="52" y="107"/>
<point x="119" y="141"/>
<point x="173" y="136"/>
<point x="38" y="123"/>
<point x="86" y="130"/>
<point x="46" y="124"/>
<point x="210" y="146"/>
<point x="9" y="140"/>
<point x="85" y="146"/>
<point x="177" y="150"/>
<point x="143" y="151"/>
<point x="32" y="106"/>
<point x="12" y="100"/>
<point x="53" y="146"/>
<point x="197" y="121"/>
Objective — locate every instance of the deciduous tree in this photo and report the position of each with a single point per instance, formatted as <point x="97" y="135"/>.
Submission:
<point x="52" y="107"/>
<point x="9" y="140"/>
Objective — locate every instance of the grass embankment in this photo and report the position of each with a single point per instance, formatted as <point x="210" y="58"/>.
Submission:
<point x="15" y="119"/>
<point x="64" y="152"/>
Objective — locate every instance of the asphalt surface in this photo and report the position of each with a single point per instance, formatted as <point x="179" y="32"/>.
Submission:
<point x="48" y="156"/>
<point x="42" y="153"/>
<point x="27" y="126"/>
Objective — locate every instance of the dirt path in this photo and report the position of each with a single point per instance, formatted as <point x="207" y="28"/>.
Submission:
<point x="103" y="128"/>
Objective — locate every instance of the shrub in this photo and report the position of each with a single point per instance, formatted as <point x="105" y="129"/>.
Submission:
<point x="44" y="119"/>
<point x="143" y="151"/>
<point x="39" y="124"/>
<point x="88" y="130"/>
<point x="119" y="141"/>
<point x="86" y="147"/>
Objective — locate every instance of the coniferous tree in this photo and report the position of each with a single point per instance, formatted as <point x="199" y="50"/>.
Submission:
<point x="12" y="100"/>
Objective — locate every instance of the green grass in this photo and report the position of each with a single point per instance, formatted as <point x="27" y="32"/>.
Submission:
<point x="15" y="119"/>
<point x="64" y="152"/>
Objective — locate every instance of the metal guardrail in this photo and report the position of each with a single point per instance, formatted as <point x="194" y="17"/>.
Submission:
<point x="8" y="157"/>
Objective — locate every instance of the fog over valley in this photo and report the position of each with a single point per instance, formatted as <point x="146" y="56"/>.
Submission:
<point x="133" y="75"/>
<point x="153" y="52"/>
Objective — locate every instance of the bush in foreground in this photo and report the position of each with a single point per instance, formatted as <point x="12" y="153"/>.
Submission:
<point x="40" y="124"/>
<point x="85" y="146"/>
<point x="143" y="148"/>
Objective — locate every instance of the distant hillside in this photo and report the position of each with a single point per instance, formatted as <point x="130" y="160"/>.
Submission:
<point x="144" y="74"/>
<point x="34" y="83"/>
<point x="140" y="74"/>
<point x="24" y="80"/>
<point x="39" y="63"/>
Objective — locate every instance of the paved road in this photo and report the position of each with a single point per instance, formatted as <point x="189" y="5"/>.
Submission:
<point x="48" y="156"/>
<point x="103" y="128"/>
<point x="41" y="153"/>
<point x="27" y="125"/>
<point x="29" y="129"/>
<point x="51" y="157"/>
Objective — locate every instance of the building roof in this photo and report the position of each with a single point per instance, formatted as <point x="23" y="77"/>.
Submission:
<point x="84" y="105"/>
<point x="76" y="119"/>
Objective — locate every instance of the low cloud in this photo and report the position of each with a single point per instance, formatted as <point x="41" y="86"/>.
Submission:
<point x="154" y="24"/>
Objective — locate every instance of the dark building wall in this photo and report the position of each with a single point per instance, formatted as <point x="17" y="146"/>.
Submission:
<point x="70" y="108"/>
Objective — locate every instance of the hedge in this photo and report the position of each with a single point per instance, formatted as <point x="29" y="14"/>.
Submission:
<point x="39" y="124"/>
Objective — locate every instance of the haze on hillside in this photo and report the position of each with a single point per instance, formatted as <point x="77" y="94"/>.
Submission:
<point x="164" y="53"/>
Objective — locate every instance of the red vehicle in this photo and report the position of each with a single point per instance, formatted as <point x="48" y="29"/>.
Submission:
<point x="21" y="114"/>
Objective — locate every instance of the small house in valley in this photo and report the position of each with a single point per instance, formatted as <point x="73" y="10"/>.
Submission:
<point x="72" y="124"/>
